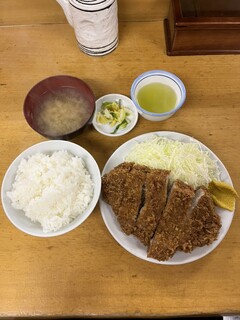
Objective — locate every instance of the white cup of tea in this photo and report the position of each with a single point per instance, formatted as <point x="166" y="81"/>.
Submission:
<point x="158" y="94"/>
<point x="95" y="24"/>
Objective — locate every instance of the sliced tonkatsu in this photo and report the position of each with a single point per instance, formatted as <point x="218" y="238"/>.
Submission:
<point x="173" y="227"/>
<point x="155" y="197"/>
<point x="205" y="222"/>
<point x="133" y="197"/>
<point x="113" y="184"/>
<point x="165" y="223"/>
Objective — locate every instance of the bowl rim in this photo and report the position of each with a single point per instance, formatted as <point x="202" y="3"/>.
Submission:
<point x="71" y="134"/>
<point x="167" y="74"/>
<point x="135" y="118"/>
<point x="59" y="145"/>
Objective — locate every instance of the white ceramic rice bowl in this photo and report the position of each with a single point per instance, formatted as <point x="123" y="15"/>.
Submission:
<point x="18" y="218"/>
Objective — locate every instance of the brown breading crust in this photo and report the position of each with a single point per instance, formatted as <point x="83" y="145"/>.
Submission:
<point x="113" y="185"/>
<point x="172" y="227"/>
<point x="132" y="198"/>
<point x="155" y="200"/>
<point x="136" y="194"/>
<point x="205" y="223"/>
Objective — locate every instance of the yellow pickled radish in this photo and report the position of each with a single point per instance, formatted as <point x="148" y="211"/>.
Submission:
<point x="112" y="123"/>
<point x="101" y="119"/>
<point x="223" y="194"/>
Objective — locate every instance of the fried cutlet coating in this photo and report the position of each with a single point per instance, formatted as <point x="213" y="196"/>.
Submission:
<point x="205" y="223"/>
<point x="113" y="184"/>
<point x="172" y="227"/>
<point x="132" y="198"/>
<point x="155" y="196"/>
<point x="165" y="224"/>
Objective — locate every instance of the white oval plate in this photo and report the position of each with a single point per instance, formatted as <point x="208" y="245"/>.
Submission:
<point x="131" y="243"/>
<point x="18" y="218"/>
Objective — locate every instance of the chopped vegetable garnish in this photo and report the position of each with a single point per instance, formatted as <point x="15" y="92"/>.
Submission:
<point x="187" y="161"/>
<point x="114" y="114"/>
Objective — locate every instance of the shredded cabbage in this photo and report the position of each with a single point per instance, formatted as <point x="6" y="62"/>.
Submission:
<point x="186" y="160"/>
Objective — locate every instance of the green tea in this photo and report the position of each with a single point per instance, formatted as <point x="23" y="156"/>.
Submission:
<point x="157" y="97"/>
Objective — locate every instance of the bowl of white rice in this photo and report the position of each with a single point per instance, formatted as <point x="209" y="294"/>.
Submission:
<point x="51" y="188"/>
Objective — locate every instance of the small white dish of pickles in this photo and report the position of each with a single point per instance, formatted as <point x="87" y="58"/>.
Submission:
<point x="115" y="115"/>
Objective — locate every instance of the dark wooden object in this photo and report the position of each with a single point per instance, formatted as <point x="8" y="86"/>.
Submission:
<point x="203" y="27"/>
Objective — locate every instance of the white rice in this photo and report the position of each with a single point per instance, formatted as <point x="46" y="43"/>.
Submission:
<point x="52" y="189"/>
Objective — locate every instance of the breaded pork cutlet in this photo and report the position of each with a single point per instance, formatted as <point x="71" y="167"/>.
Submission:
<point x="132" y="198"/>
<point x="173" y="226"/>
<point x="113" y="185"/>
<point x="205" y="222"/>
<point x="154" y="202"/>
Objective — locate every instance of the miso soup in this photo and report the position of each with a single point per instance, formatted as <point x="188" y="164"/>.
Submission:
<point x="62" y="112"/>
<point x="157" y="98"/>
